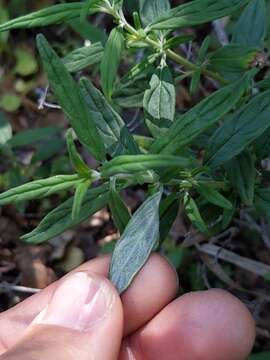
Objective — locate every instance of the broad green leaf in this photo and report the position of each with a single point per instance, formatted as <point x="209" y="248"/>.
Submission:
<point x="159" y="102"/>
<point x="193" y="214"/>
<point x="60" y="219"/>
<point x="85" y="10"/>
<point x="196" y="12"/>
<point x="138" y="163"/>
<point x="111" y="61"/>
<point x="201" y="117"/>
<point x="120" y="212"/>
<point x="39" y="189"/>
<point x="83" y="57"/>
<point x="241" y="173"/>
<point x="76" y="160"/>
<point x="80" y="193"/>
<point x="168" y="212"/>
<point x="71" y="100"/>
<point x="88" y="31"/>
<point x="214" y="197"/>
<point x="125" y="145"/>
<point x="250" y="29"/>
<point x="52" y="15"/>
<point x="151" y="9"/>
<point x="135" y="245"/>
<point x="29" y="137"/>
<point x="232" y="58"/>
<point x="239" y="130"/>
<point x="109" y="123"/>
<point x="5" y="129"/>
<point x="262" y="202"/>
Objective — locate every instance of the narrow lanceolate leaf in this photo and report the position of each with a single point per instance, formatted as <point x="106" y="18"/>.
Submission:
<point x="196" y="12"/>
<point x="80" y="193"/>
<point x="262" y="202"/>
<point x="83" y="57"/>
<point x="136" y="243"/>
<point x="120" y="213"/>
<point x="39" y="189"/>
<point x="111" y="61"/>
<point x="109" y="123"/>
<point x="52" y="15"/>
<point x="70" y="99"/>
<point x="138" y="163"/>
<point x="193" y="213"/>
<point x="159" y="102"/>
<point x="251" y="27"/>
<point x="60" y="219"/>
<point x="76" y="160"/>
<point x="232" y="58"/>
<point x="214" y="197"/>
<point x="202" y="116"/>
<point x="151" y="9"/>
<point x="241" y="173"/>
<point x="239" y="130"/>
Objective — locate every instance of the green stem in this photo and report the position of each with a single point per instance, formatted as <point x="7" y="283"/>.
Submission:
<point x="171" y="54"/>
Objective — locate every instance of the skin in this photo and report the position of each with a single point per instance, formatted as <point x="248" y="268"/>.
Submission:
<point x="145" y="324"/>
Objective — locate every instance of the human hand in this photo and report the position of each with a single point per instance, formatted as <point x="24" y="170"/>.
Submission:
<point x="81" y="317"/>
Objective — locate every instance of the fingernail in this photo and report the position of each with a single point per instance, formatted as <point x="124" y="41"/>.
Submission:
<point x="79" y="303"/>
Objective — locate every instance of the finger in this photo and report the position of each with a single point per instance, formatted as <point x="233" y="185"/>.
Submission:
<point x="153" y="288"/>
<point x="83" y="320"/>
<point x="212" y="325"/>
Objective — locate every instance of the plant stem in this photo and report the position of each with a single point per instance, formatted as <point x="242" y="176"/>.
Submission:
<point x="171" y="54"/>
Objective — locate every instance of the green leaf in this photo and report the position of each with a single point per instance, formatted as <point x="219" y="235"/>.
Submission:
<point x="85" y="9"/>
<point x="135" y="245"/>
<point x="52" y="15"/>
<point x="111" y="61"/>
<point x="239" y="130"/>
<point x="29" y="137"/>
<point x="138" y="163"/>
<point x="203" y="49"/>
<point x="214" y="197"/>
<point x="168" y="213"/>
<point x="120" y="212"/>
<point x="80" y="193"/>
<point x="195" y="81"/>
<point x="81" y="58"/>
<point x="39" y="189"/>
<point x="5" y="129"/>
<point x="76" y="160"/>
<point x="241" y="173"/>
<point x="201" y="117"/>
<point x="232" y="58"/>
<point x="159" y="102"/>
<point x="111" y="126"/>
<point x="60" y="219"/>
<point x="262" y="202"/>
<point x="47" y="149"/>
<point x="193" y="214"/>
<point x="196" y="12"/>
<point x="71" y="100"/>
<point x="250" y="29"/>
<point x="151" y="9"/>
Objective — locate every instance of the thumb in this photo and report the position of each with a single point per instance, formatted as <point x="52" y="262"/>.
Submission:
<point x="82" y="321"/>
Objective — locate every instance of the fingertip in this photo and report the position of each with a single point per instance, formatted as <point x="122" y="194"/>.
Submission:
<point x="212" y="325"/>
<point x="152" y="289"/>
